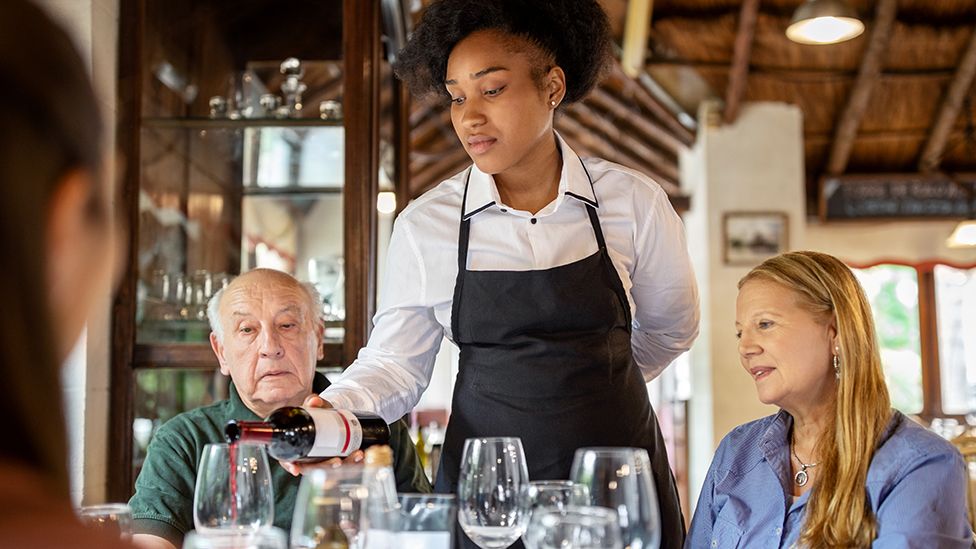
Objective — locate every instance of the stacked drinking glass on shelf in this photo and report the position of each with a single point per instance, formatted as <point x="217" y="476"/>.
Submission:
<point x="174" y="298"/>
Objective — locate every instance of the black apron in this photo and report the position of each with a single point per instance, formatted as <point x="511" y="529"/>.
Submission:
<point x="546" y="357"/>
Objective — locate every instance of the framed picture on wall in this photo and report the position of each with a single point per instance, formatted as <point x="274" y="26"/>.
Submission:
<point x="750" y="237"/>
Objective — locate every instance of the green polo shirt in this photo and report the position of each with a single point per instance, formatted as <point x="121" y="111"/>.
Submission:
<point x="163" y="502"/>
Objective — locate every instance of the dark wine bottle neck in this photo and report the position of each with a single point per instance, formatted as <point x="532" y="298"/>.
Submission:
<point x="249" y="431"/>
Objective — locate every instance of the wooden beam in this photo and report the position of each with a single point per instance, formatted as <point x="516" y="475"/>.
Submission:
<point x="612" y="132"/>
<point x="635" y="36"/>
<point x="567" y="124"/>
<point x="741" y="52"/>
<point x="608" y="101"/>
<point x="935" y="145"/>
<point x="643" y="97"/>
<point x="801" y="73"/>
<point x="868" y="74"/>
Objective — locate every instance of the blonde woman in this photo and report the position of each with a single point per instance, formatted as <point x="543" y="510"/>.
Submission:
<point x="836" y="467"/>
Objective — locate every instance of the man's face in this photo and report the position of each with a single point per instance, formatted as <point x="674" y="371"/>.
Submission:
<point x="271" y="340"/>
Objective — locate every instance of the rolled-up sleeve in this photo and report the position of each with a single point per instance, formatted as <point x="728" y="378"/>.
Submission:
<point x="664" y="290"/>
<point x="392" y="371"/>
<point x="927" y="507"/>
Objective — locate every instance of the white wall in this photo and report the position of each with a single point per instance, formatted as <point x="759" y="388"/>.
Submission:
<point x="875" y="242"/>
<point x="94" y="26"/>
<point x="755" y="164"/>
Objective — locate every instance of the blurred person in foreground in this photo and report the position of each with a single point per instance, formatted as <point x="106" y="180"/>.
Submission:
<point x="836" y="467"/>
<point x="60" y="250"/>
<point x="267" y="335"/>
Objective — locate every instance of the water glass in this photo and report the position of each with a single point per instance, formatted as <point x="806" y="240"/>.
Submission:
<point x="233" y="489"/>
<point x="573" y="527"/>
<point x="263" y="538"/>
<point x="553" y="493"/>
<point x="621" y="479"/>
<point x="114" y="519"/>
<point x="491" y="491"/>
<point x="426" y="521"/>
<point x="328" y="508"/>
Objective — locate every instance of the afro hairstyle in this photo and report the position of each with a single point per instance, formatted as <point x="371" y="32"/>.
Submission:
<point x="575" y="33"/>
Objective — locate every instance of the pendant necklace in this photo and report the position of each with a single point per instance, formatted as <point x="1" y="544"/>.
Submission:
<point x="801" y="477"/>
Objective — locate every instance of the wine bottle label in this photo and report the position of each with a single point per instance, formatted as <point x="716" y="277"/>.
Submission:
<point x="337" y="432"/>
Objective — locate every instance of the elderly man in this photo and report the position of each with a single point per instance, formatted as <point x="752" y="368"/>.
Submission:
<point x="267" y="336"/>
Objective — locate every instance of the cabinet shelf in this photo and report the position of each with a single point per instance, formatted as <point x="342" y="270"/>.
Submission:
<point x="290" y="190"/>
<point x="227" y="123"/>
<point x="200" y="355"/>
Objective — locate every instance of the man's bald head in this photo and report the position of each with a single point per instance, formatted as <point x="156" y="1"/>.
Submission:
<point x="263" y="280"/>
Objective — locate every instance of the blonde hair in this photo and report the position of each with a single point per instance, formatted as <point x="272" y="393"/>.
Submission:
<point x="838" y="513"/>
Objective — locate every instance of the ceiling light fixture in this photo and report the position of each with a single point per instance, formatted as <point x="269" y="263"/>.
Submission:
<point x="824" y="22"/>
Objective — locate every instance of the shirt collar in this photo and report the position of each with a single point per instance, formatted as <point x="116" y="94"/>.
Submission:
<point x="481" y="192"/>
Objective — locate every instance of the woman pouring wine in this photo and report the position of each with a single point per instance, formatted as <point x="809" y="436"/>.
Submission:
<point x="564" y="281"/>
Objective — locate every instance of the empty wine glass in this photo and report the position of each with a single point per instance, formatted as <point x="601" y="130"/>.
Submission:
<point x="491" y="491"/>
<point x="573" y="527"/>
<point x="112" y="518"/>
<point x="621" y="479"/>
<point x="553" y="493"/>
<point x="426" y="521"/>
<point x="233" y="489"/>
<point x="328" y="507"/>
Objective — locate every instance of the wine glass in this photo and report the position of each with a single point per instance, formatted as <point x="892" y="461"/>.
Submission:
<point x="552" y="493"/>
<point x="573" y="527"/>
<point x="268" y="537"/>
<point x="114" y="519"/>
<point x="328" y="508"/>
<point x="426" y="521"/>
<point x="621" y="479"/>
<point x="233" y="489"/>
<point x="491" y="491"/>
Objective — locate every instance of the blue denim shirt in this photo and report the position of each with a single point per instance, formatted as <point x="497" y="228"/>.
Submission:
<point x="916" y="487"/>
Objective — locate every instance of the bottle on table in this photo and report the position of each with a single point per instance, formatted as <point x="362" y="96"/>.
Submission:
<point x="292" y="433"/>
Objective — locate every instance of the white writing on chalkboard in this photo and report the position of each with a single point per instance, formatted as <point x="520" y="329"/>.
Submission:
<point x="898" y="196"/>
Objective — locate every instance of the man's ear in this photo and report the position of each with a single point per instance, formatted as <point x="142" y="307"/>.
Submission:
<point x="218" y="349"/>
<point x="320" y="340"/>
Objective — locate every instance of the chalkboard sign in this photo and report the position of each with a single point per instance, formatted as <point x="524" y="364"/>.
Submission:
<point x="897" y="196"/>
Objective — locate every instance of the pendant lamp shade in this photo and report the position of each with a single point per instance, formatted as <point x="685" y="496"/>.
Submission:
<point x="824" y="22"/>
<point x="964" y="236"/>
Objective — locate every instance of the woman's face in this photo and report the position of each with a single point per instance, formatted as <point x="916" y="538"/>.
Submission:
<point x="500" y="113"/>
<point x="84" y="255"/>
<point x="785" y="348"/>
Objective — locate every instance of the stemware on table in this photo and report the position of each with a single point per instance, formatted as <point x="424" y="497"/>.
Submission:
<point x="621" y="479"/>
<point x="573" y="527"/>
<point x="426" y="521"/>
<point x="233" y="489"/>
<point x="268" y="537"/>
<point x="114" y="519"/>
<point x="491" y="491"/>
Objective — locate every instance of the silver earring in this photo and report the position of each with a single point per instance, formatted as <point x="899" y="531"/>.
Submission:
<point x="837" y="366"/>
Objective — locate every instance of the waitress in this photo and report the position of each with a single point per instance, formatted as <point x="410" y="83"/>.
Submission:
<point x="565" y="282"/>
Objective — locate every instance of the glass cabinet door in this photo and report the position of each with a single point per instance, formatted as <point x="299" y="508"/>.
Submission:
<point x="234" y="126"/>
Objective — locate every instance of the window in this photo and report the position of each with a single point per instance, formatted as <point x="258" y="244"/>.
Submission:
<point x="925" y="317"/>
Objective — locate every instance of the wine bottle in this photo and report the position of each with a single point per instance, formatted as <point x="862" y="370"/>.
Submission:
<point x="296" y="434"/>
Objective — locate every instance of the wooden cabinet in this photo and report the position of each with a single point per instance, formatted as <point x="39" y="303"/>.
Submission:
<point x="219" y="179"/>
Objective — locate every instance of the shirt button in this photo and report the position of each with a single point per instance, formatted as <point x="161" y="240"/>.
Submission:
<point x="779" y="530"/>
<point x="714" y="543"/>
<point x="534" y="221"/>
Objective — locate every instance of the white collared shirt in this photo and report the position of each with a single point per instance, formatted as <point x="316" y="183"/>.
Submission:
<point x="644" y="236"/>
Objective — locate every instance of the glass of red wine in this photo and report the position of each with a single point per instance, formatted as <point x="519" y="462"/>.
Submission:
<point x="233" y="490"/>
